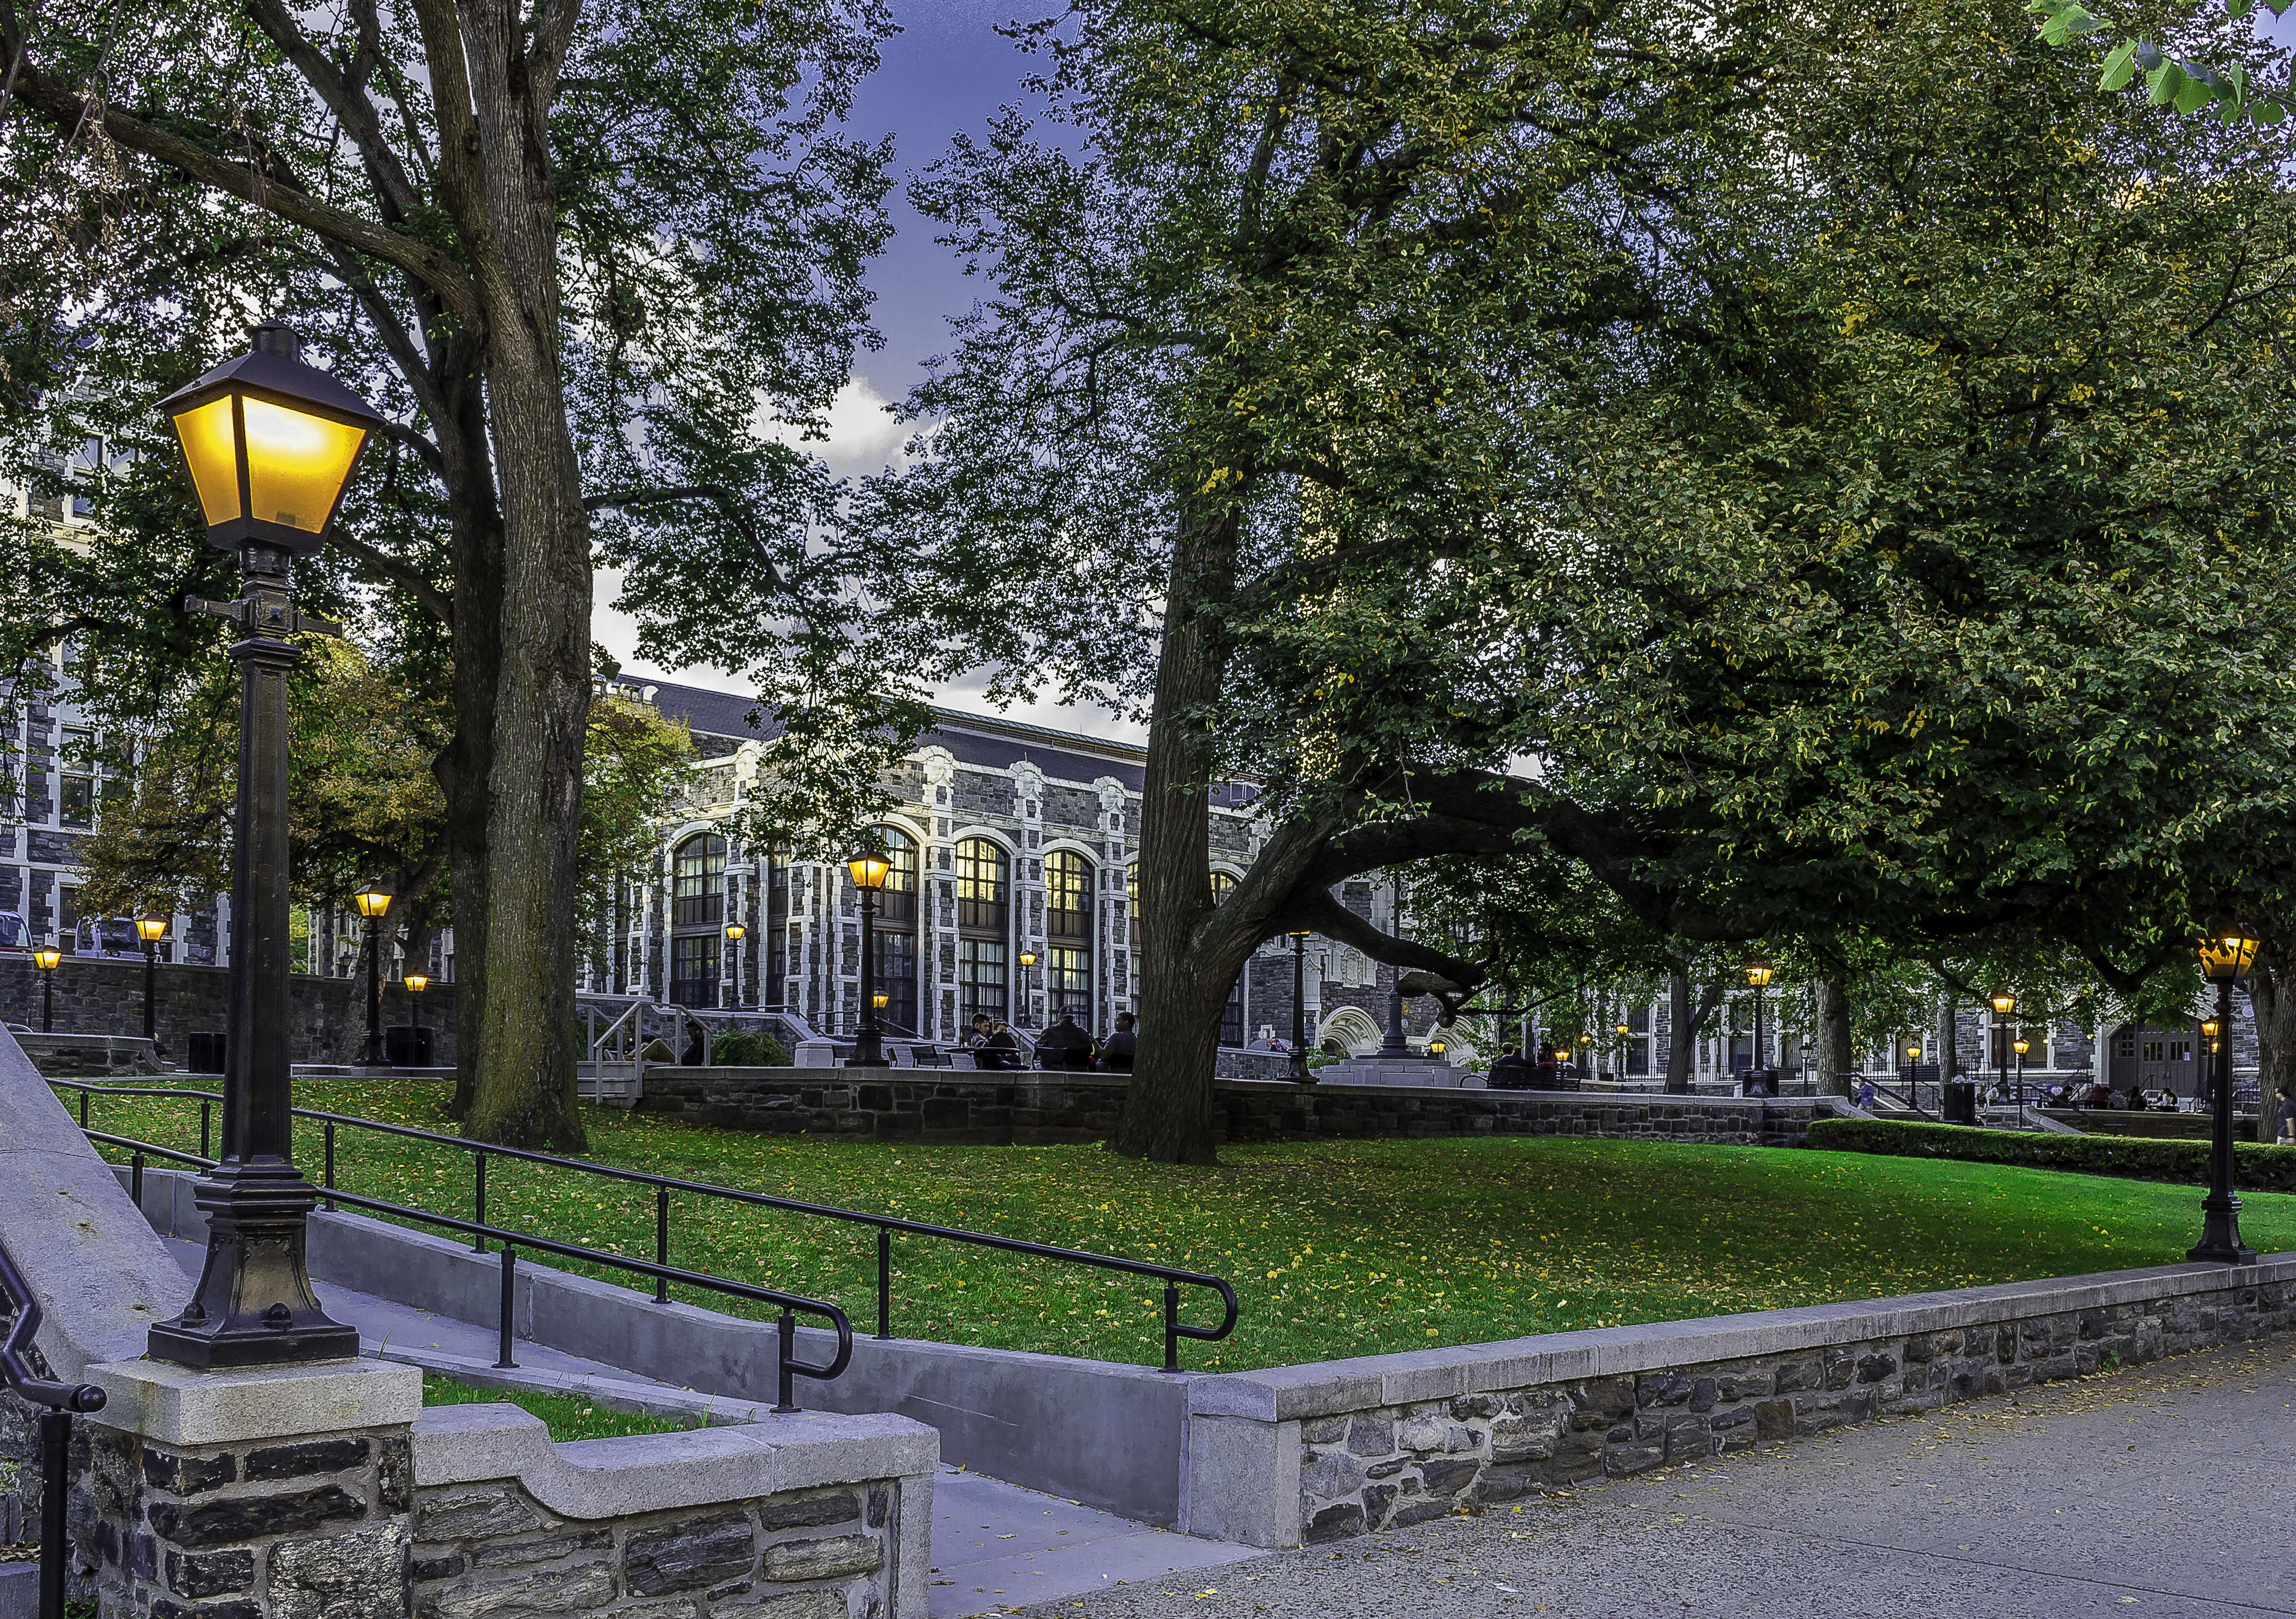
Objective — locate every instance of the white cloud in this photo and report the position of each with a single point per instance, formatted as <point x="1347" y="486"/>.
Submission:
<point x="864" y="438"/>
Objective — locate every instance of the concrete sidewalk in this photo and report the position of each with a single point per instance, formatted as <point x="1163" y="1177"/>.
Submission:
<point x="2162" y="1491"/>
<point x="995" y="1544"/>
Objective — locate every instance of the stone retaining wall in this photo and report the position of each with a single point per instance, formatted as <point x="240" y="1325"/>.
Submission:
<point x="1038" y="1109"/>
<point x="1313" y="1453"/>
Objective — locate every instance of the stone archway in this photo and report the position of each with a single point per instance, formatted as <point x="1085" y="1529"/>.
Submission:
<point x="1352" y="1030"/>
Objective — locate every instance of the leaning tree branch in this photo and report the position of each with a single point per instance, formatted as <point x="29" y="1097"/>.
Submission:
<point x="730" y="506"/>
<point x="1318" y="911"/>
<point x="436" y="602"/>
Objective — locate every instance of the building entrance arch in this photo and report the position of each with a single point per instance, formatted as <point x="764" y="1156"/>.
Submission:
<point x="1351" y="1029"/>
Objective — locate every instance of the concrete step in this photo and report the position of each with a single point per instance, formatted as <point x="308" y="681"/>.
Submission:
<point x="19" y="1590"/>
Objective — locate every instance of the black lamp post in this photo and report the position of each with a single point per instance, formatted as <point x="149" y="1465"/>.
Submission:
<point x="2020" y="1045"/>
<point x="264" y="434"/>
<point x="1301" y="1075"/>
<point x="2225" y="958"/>
<point x="374" y="902"/>
<point x="151" y="927"/>
<point x="734" y="931"/>
<point x="2005" y="1006"/>
<point x="47" y="958"/>
<point x="415" y="983"/>
<point x="869" y="870"/>
<point x="1028" y="960"/>
<point x="1758" y="977"/>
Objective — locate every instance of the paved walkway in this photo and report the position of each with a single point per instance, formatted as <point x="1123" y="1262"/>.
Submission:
<point x="995" y="1544"/>
<point x="2162" y="1490"/>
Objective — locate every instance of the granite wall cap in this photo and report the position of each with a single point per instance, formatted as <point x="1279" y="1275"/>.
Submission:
<point x="179" y="1405"/>
<point x="1289" y="1394"/>
<point x="604" y="1478"/>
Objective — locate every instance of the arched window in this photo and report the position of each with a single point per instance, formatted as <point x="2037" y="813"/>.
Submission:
<point x="697" y="919"/>
<point x="1068" y="934"/>
<point x="1223" y="885"/>
<point x="895" y="969"/>
<point x="983" y="918"/>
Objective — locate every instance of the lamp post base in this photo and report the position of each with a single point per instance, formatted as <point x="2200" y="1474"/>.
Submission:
<point x="254" y="1306"/>
<point x="868" y="1047"/>
<point x="2220" y="1243"/>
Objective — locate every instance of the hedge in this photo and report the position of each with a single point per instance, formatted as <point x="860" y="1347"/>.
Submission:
<point x="2255" y="1168"/>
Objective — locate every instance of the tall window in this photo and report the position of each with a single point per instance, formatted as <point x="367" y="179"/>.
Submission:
<point x="981" y="980"/>
<point x="698" y="892"/>
<point x="981" y="887"/>
<point x="1068" y="974"/>
<point x="897" y="901"/>
<point x="1068" y="896"/>
<point x="1638" y="1041"/>
<point x="697" y="919"/>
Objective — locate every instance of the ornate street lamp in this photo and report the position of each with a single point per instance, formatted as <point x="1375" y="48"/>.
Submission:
<point x="151" y="927"/>
<point x="2020" y="1045"/>
<point x="1562" y="1065"/>
<point x="2004" y="1007"/>
<point x="415" y="983"/>
<point x="374" y="902"/>
<point x="1392" y="1044"/>
<point x="1758" y="978"/>
<point x="47" y="958"/>
<point x="2225" y="956"/>
<point x="869" y="869"/>
<point x="270" y="444"/>
<point x="1301" y="1075"/>
<point x="734" y="934"/>
<point x="1027" y="959"/>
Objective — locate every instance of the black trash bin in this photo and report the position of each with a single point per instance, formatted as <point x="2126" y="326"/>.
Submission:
<point x="406" y="1045"/>
<point x="203" y="1051"/>
<point x="1960" y="1101"/>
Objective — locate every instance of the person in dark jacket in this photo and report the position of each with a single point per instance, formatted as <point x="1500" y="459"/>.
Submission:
<point x="998" y="1048"/>
<point x="1512" y="1071"/>
<point x="1116" y="1053"/>
<point x="1064" y="1045"/>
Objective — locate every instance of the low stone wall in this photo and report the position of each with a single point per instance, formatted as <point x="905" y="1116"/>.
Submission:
<point x="1313" y="1453"/>
<point x="1038" y="1109"/>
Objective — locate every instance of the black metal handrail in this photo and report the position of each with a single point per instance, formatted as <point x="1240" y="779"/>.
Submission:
<point x="61" y="1400"/>
<point x="790" y="1304"/>
<point x="886" y="1225"/>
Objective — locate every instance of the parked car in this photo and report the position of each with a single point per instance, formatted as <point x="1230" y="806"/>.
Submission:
<point x="109" y="936"/>
<point x="13" y="935"/>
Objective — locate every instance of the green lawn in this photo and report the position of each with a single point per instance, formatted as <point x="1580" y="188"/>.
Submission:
<point x="1335" y="1249"/>
<point x="569" y="1415"/>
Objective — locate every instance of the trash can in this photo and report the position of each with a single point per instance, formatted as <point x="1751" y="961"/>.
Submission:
<point x="1959" y="1105"/>
<point x="203" y="1051"/>
<point x="406" y="1045"/>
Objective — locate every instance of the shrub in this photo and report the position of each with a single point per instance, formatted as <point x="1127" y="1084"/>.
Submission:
<point x="2263" y="1169"/>
<point x="749" y="1048"/>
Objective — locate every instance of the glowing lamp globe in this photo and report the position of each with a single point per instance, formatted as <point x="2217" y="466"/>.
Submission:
<point x="151" y="927"/>
<point x="735" y="931"/>
<point x="373" y="900"/>
<point x="270" y="443"/>
<point x="416" y="982"/>
<point x="1758" y="973"/>
<point x="2227" y="954"/>
<point x="48" y="957"/>
<point x="869" y="868"/>
<point x="2004" y="1003"/>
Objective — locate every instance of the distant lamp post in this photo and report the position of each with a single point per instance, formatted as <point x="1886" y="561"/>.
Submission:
<point x="270" y="444"/>
<point x="2021" y="1046"/>
<point x="734" y="934"/>
<point x="1027" y="958"/>
<point x="2225" y="956"/>
<point x="47" y="958"/>
<point x="2004" y="1007"/>
<point x="1561" y="1063"/>
<point x="151" y="927"/>
<point x="1758" y="979"/>
<point x="1626" y="1035"/>
<point x="374" y="902"/>
<point x="415" y="983"/>
<point x="869" y="869"/>
<point x="1301" y="1075"/>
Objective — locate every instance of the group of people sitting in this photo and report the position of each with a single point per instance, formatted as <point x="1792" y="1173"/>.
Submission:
<point x="1511" y="1070"/>
<point x="994" y="1045"/>
<point x="2163" y="1099"/>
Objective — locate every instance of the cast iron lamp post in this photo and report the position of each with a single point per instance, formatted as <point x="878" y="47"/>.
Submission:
<point x="415" y="983"/>
<point x="2020" y="1045"/>
<point x="1758" y="978"/>
<point x="270" y="444"/>
<point x="1027" y="959"/>
<point x="2225" y="958"/>
<point x="1299" y="1073"/>
<point x="374" y="903"/>
<point x="735" y="933"/>
<point x="869" y="869"/>
<point x="1561" y="1063"/>
<point x="47" y="958"/>
<point x="2004" y="1007"/>
<point x="151" y="927"/>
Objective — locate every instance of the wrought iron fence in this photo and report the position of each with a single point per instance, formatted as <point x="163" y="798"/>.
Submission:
<point x="59" y="1401"/>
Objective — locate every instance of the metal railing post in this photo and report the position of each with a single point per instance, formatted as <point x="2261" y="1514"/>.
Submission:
<point x="1171" y="1326"/>
<point x="135" y="1179"/>
<point x="509" y="1265"/>
<point x="83" y="1107"/>
<point x="328" y="1176"/>
<point x="884" y="1281"/>
<point x="789" y="1363"/>
<point x="479" y="1201"/>
<point x="55" y="1478"/>
<point x="207" y="1117"/>
<point x="661" y="1242"/>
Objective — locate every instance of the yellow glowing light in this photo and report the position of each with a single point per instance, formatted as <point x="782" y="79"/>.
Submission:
<point x="212" y="453"/>
<point x="297" y="463"/>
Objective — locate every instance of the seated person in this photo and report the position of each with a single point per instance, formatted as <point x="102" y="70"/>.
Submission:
<point x="1064" y="1045"/>
<point x="2100" y="1094"/>
<point x="1512" y="1071"/>
<point x="997" y="1048"/>
<point x="1116" y="1053"/>
<point x="2165" y="1099"/>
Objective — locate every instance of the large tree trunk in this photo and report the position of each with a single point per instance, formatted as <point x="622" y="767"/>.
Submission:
<point x="524" y="1086"/>
<point x="1833" y="1034"/>
<point x="1681" y="1036"/>
<point x="1167" y="1107"/>
<point x="1946" y="1038"/>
